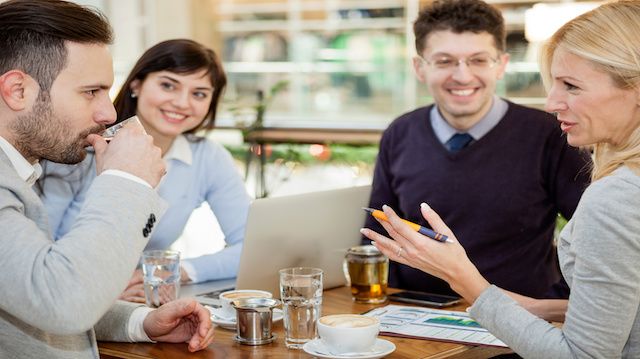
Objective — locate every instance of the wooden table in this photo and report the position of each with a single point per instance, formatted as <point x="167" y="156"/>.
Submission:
<point x="335" y="301"/>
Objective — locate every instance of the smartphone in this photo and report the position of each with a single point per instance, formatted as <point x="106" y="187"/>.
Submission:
<point x="428" y="299"/>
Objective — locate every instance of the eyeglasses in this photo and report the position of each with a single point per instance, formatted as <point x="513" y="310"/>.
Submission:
<point x="474" y="63"/>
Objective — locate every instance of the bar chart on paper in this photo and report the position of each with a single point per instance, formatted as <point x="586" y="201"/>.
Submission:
<point x="433" y="324"/>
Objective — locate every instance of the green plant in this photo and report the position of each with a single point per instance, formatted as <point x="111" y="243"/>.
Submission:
<point x="299" y="153"/>
<point x="264" y="101"/>
<point x="260" y="107"/>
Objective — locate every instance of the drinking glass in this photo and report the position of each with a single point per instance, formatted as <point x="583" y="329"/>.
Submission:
<point x="301" y="295"/>
<point x="161" y="272"/>
<point x="111" y="131"/>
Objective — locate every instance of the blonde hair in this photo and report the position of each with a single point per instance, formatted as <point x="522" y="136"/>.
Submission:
<point x="609" y="37"/>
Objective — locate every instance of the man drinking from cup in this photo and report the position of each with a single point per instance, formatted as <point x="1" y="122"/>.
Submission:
<point x="58" y="297"/>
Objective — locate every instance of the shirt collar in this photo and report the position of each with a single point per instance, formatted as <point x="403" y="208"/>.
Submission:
<point x="180" y="150"/>
<point x="28" y="172"/>
<point x="444" y="130"/>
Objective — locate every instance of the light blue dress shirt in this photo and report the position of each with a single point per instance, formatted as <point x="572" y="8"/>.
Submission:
<point x="198" y="171"/>
<point x="444" y="131"/>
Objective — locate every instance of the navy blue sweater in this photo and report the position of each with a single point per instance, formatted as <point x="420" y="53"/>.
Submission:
<point x="500" y="195"/>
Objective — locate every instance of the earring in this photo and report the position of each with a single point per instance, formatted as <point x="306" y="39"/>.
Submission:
<point x="134" y="95"/>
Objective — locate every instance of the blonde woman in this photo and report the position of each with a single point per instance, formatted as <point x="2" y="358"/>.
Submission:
<point x="592" y="70"/>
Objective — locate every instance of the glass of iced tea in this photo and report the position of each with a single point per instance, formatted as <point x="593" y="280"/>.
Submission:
<point x="367" y="271"/>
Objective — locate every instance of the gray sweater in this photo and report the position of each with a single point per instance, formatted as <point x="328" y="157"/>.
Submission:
<point x="599" y="252"/>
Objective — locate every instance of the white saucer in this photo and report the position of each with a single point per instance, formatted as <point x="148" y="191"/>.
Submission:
<point x="230" y="323"/>
<point x="380" y="349"/>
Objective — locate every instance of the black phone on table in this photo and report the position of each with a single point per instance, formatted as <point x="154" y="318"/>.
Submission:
<point x="422" y="298"/>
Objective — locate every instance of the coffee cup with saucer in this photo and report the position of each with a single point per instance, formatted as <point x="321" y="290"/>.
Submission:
<point x="380" y="349"/>
<point x="349" y="336"/>
<point x="227" y="311"/>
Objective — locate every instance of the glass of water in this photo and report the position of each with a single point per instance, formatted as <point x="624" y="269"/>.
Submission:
<point x="301" y="295"/>
<point x="111" y="131"/>
<point x="161" y="272"/>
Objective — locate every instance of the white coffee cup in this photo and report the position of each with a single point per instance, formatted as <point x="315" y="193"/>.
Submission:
<point x="229" y="296"/>
<point x="348" y="333"/>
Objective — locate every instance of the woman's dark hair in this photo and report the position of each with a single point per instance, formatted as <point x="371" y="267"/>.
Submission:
<point x="179" y="56"/>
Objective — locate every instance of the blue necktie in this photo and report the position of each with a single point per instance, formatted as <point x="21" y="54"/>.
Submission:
<point x="458" y="142"/>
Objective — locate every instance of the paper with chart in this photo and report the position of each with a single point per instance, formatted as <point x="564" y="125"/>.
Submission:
<point x="434" y="324"/>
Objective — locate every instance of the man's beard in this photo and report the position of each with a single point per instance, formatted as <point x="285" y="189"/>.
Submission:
<point x="42" y="135"/>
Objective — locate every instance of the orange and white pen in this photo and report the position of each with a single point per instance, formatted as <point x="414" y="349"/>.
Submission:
<point x="416" y="227"/>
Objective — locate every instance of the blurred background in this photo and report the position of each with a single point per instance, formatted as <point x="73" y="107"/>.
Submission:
<point x="329" y="76"/>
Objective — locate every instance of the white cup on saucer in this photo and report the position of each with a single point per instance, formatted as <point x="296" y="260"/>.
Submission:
<point x="227" y="310"/>
<point x="348" y="333"/>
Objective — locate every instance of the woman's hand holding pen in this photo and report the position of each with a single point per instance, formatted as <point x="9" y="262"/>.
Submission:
<point x="447" y="261"/>
<point x="416" y="250"/>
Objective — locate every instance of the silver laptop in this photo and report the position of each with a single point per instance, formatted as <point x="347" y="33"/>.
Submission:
<point x="306" y="230"/>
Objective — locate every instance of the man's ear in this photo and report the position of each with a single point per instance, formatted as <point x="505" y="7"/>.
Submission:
<point x="418" y="69"/>
<point x="17" y="89"/>
<point x="502" y="65"/>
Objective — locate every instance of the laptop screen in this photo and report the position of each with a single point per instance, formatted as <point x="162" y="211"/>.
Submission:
<point x="306" y="230"/>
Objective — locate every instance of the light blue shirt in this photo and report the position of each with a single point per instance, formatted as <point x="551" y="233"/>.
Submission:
<point x="444" y="130"/>
<point x="197" y="172"/>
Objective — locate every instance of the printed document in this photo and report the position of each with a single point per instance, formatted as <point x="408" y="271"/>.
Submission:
<point x="433" y="324"/>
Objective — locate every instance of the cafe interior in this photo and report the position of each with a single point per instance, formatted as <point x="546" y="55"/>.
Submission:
<point x="312" y="85"/>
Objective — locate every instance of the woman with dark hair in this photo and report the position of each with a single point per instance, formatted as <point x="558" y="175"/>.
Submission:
<point x="174" y="89"/>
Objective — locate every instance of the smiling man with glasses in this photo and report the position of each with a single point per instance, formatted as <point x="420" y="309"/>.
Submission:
<point x="498" y="173"/>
